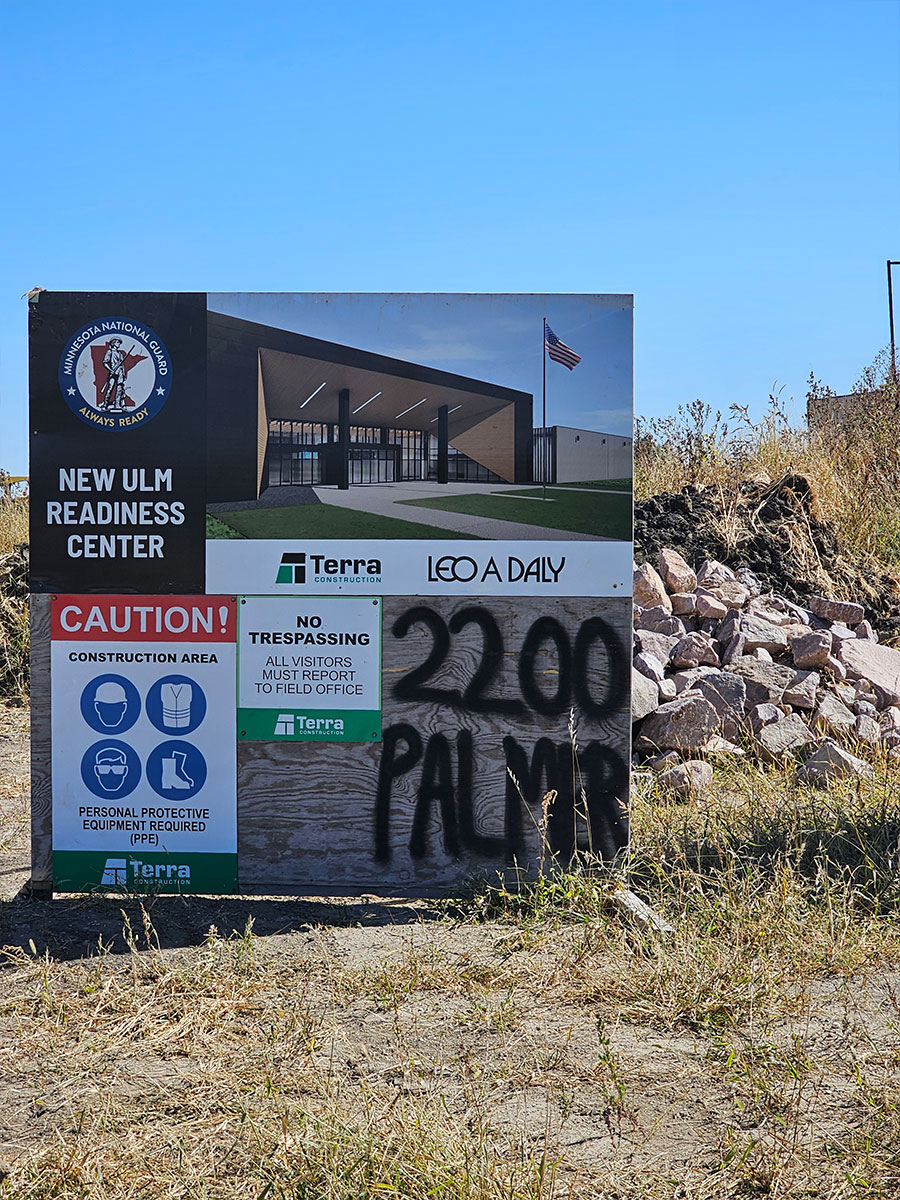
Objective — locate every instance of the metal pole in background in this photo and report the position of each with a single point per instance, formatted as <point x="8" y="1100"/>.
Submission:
<point x="545" y="447"/>
<point x="892" y="263"/>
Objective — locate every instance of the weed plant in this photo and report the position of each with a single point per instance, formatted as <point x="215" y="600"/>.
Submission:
<point x="847" y="449"/>
<point x="14" y="637"/>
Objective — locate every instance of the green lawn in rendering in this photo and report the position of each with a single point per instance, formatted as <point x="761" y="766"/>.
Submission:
<point x="603" y="485"/>
<point x="604" y="514"/>
<point x="216" y="529"/>
<point x="320" y="521"/>
<point x="557" y="488"/>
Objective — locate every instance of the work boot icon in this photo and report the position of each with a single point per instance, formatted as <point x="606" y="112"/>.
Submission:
<point x="176" y="771"/>
<point x="174" y="776"/>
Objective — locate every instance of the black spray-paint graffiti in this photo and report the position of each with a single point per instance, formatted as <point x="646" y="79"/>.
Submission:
<point x="587" y="813"/>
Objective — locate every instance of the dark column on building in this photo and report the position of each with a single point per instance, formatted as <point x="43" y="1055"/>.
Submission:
<point x="443" y="442"/>
<point x="524" y="441"/>
<point x="343" y="473"/>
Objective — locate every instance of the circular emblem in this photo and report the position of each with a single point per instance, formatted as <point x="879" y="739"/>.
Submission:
<point x="115" y="373"/>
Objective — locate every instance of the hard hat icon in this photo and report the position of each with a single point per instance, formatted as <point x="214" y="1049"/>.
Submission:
<point x="110" y="693"/>
<point x="110" y="704"/>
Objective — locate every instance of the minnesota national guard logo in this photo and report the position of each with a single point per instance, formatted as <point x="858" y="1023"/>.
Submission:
<point x="115" y="373"/>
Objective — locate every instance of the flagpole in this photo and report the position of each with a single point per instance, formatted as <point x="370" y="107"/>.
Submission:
<point x="544" y="438"/>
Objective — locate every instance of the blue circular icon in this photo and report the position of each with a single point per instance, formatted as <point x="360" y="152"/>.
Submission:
<point x="110" y="704"/>
<point x="176" y="770"/>
<point x="176" y="704"/>
<point x="115" y="373"/>
<point x="110" y="769"/>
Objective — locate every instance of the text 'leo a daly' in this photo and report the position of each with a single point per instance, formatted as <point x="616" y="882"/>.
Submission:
<point x="462" y="568"/>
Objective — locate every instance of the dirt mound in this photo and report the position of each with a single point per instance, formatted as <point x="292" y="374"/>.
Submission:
<point x="773" y="529"/>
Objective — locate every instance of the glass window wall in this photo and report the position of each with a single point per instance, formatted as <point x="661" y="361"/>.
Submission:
<point x="297" y="455"/>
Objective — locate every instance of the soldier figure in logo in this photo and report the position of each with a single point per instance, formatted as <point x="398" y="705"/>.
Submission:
<point x="114" y="388"/>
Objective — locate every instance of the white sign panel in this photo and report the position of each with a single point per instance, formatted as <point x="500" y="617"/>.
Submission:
<point x="421" y="568"/>
<point x="310" y="668"/>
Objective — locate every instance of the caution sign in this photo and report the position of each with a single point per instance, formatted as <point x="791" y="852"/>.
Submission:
<point x="144" y="751"/>
<point x="309" y="668"/>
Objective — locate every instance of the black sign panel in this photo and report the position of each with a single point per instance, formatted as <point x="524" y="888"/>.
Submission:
<point x="118" y="442"/>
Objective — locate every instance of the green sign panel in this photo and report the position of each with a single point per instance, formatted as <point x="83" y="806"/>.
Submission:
<point x="301" y="725"/>
<point x="143" y="871"/>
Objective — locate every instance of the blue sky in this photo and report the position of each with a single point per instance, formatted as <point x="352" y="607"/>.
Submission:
<point x="734" y="166"/>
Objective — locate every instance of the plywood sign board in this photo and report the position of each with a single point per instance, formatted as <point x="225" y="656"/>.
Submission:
<point x="313" y="612"/>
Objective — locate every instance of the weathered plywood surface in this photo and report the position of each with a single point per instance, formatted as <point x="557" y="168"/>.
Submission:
<point x="41" y="746"/>
<point x="434" y="803"/>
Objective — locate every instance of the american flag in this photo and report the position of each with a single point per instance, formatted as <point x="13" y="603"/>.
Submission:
<point x="559" y="351"/>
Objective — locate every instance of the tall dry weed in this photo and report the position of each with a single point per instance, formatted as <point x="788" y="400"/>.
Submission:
<point x="13" y="523"/>
<point x="847" y="448"/>
<point x="689" y="447"/>
<point x="14" y="639"/>
<point x="13" y="513"/>
<point x="855" y="438"/>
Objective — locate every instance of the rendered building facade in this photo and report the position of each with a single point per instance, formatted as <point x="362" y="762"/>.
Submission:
<point x="290" y="409"/>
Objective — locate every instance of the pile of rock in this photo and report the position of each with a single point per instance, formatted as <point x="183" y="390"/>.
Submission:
<point x="717" y="662"/>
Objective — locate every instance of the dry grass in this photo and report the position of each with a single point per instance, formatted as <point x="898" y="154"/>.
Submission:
<point x="14" y="630"/>
<point x="527" y="1045"/>
<point x="208" y="1075"/>
<point x="851" y="456"/>
<point x="14" y="639"/>
<point x="768" y="887"/>
<point x="13" y="522"/>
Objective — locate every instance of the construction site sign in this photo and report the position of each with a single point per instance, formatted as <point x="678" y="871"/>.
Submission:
<point x="348" y="573"/>
<point x="143" y="726"/>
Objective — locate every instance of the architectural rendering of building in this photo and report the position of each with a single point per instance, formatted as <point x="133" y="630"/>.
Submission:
<point x="290" y="409"/>
<point x="566" y="455"/>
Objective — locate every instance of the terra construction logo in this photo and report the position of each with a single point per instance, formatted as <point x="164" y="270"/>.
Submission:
<point x="292" y="569"/>
<point x="300" y="567"/>
<point x="115" y="374"/>
<point x="128" y="872"/>
<point x="115" y="873"/>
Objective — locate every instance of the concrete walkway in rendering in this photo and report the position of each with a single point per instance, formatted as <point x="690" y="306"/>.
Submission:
<point x="384" y="500"/>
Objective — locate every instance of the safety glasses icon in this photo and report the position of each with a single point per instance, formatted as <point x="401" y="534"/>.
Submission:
<point x="115" y="768"/>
